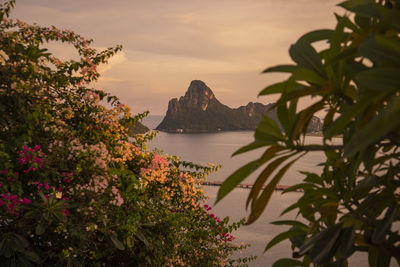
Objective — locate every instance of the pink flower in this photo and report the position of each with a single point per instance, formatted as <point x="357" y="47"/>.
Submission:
<point x="66" y="213"/>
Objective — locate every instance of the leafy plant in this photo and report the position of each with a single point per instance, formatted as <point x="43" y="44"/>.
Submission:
<point x="77" y="186"/>
<point x="353" y="204"/>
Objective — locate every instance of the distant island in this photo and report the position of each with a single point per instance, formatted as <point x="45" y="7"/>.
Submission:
<point x="199" y="111"/>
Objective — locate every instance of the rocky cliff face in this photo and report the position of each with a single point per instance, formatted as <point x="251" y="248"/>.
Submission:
<point x="200" y="111"/>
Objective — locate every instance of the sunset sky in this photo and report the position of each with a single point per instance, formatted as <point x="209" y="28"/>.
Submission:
<point x="168" y="43"/>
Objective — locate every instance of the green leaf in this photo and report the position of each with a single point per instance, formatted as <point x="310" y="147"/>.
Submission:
<point x="391" y="17"/>
<point x="141" y="237"/>
<point x="281" y="68"/>
<point x="308" y="76"/>
<point x="252" y="146"/>
<point x="379" y="79"/>
<point x="376" y="129"/>
<point x="283" y="236"/>
<point x="32" y="256"/>
<point x="378" y="258"/>
<point x="353" y="68"/>
<point x="284" y="116"/>
<point x="60" y="216"/>
<point x="235" y="178"/>
<point x="268" y="131"/>
<point x="368" y="10"/>
<point x="292" y="223"/>
<point x="364" y="186"/>
<point x="317" y="35"/>
<point x="306" y="57"/>
<point x="347" y="240"/>
<point x="280" y="88"/>
<point x="337" y="37"/>
<point x="389" y="43"/>
<point x="384" y="225"/>
<point x="349" y="5"/>
<point x="325" y="247"/>
<point x="265" y="174"/>
<point x="347" y="23"/>
<point x="239" y="175"/>
<point x="376" y="53"/>
<point x="259" y="204"/>
<point x="375" y="203"/>
<point x="348" y="114"/>
<point x="302" y="186"/>
<point x="313" y="178"/>
<point x="21" y="240"/>
<point x="118" y="244"/>
<point x="6" y="248"/>
<point x="41" y="227"/>
<point x="287" y="263"/>
<point x="16" y="244"/>
<point x="304" y="118"/>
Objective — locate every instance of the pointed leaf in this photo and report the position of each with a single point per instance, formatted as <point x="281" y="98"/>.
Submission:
<point x="236" y="178"/>
<point x="141" y="237"/>
<point x="118" y="244"/>
<point x="347" y="240"/>
<point x="252" y="146"/>
<point x="389" y="43"/>
<point x="378" y="258"/>
<point x="259" y="204"/>
<point x="281" y="68"/>
<point x="287" y="263"/>
<point x="265" y="174"/>
<point x="270" y="127"/>
<point x="308" y="76"/>
<point x="280" y="88"/>
<point x="326" y="245"/>
<point x="376" y="129"/>
<point x="291" y="223"/>
<point x="327" y="233"/>
<point x="306" y="57"/>
<point x="376" y="53"/>
<point x="384" y="225"/>
<point x="380" y="79"/>
<point x="304" y="118"/>
<point x="349" y="112"/>
<point x="283" y="236"/>
<point x="317" y="35"/>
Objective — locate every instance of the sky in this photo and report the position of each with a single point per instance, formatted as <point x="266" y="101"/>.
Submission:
<point x="169" y="43"/>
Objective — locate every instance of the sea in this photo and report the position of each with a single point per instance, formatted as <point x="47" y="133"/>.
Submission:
<point x="217" y="148"/>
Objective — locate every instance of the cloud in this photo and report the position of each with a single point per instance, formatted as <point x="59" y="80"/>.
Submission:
<point x="117" y="59"/>
<point x="225" y="43"/>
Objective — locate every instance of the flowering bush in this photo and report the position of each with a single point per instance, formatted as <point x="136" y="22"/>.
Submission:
<point x="75" y="188"/>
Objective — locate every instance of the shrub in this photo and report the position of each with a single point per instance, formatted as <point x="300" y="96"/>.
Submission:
<point x="75" y="188"/>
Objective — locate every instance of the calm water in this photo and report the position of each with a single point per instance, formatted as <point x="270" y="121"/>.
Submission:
<point x="218" y="148"/>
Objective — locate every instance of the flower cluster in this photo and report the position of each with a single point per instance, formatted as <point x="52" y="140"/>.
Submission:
<point x="224" y="236"/>
<point x="32" y="157"/>
<point x="12" y="203"/>
<point x="157" y="171"/>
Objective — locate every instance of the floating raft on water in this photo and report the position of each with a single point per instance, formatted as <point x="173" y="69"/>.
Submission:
<point x="248" y="186"/>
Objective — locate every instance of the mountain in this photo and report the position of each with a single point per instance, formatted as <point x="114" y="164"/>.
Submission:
<point x="200" y="111"/>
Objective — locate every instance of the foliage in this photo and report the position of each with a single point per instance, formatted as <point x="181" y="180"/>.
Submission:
<point x="354" y="203"/>
<point x="75" y="189"/>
